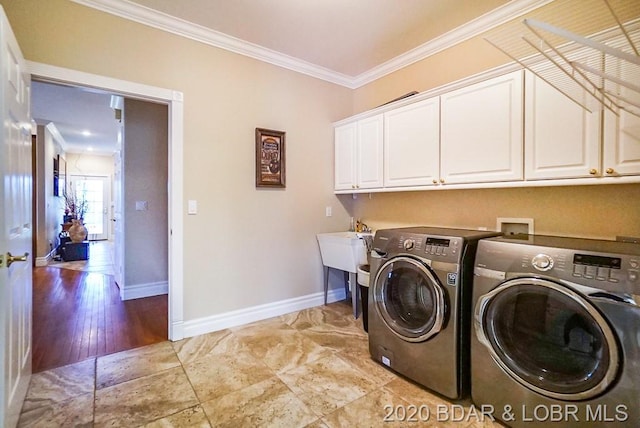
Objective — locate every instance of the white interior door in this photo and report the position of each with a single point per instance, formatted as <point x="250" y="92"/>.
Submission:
<point x="96" y="191"/>
<point x="16" y="228"/>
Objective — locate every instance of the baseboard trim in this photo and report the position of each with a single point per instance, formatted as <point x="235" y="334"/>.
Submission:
<point x="138" y="291"/>
<point x="44" y="261"/>
<point x="257" y="313"/>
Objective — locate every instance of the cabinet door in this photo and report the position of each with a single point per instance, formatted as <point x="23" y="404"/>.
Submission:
<point x="369" y="153"/>
<point x="622" y="133"/>
<point x="345" y="156"/>
<point x="482" y="132"/>
<point x="412" y="144"/>
<point x="562" y="139"/>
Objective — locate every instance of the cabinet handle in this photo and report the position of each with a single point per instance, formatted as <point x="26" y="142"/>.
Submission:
<point x="442" y="180"/>
<point x="357" y="186"/>
<point x="593" y="171"/>
<point x="610" y="171"/>
<point x="435" y="181"/>
<point x="353" y="186"/>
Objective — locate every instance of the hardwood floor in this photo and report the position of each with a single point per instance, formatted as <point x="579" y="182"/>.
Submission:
<point x="77" y="315"/>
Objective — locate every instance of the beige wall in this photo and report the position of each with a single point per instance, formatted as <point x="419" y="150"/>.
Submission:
<point x="145" y="180"/>
<point x="245" y="246"/>
<point x="599" y="211"/>
<point x="53" y="205"/>
<point x="89" y="164"/>
<point x="40" y="242"/>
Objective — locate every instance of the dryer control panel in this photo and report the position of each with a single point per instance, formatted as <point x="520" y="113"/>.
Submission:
<point x="600" y="264"/>
<point x="601" y="268"/>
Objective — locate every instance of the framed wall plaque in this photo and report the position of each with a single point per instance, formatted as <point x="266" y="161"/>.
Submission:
<point x="270" y="158"/>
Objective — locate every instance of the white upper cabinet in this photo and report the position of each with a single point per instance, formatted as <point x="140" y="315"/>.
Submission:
<point x="621" y="145"/>
<point x="369" y="153"/>
<point x="358" y="154"/>
<point x="412" y="144"/>
<point x="482" y="131"/>
<point x="345" y="156"/>
<point x="622" y="132"/>
<point x="562" y="139"/>
<point x="507" y="131"/>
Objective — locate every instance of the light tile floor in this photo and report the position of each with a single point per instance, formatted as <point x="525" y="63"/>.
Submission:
<point x="309" y="368"/>
<point x="100" y="259"/>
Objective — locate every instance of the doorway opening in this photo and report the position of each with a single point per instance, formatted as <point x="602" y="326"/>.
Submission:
<point x="99" y="215"/>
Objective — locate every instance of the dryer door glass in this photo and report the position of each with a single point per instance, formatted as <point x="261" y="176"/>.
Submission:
<point x="409" y="299"/>
<point x="549" y="338"/>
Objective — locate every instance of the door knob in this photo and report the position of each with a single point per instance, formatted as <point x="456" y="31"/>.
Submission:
<point x="11" y="258"/>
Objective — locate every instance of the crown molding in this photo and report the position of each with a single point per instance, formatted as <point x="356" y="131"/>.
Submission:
<point x="55" y="133"/>
<point x="473" y="28"/>
<point x="159" y="20"/>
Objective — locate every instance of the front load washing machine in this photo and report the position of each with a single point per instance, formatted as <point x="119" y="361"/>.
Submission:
<point x="419" y="304"/>
<point x="556" y="331"/>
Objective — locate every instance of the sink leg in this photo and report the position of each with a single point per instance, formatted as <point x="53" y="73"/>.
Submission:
<point x="355" y="298"/>
<point x="326" y="283"/>
<point x="346" y="283"/>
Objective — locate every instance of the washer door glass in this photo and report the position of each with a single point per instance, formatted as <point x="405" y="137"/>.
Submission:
<point x="549" y="338"/>
<point x="409" y="298"/>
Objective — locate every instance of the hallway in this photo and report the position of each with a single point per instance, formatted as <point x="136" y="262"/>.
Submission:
<point x="78" y="314"/>
<point x="100" y="259"/>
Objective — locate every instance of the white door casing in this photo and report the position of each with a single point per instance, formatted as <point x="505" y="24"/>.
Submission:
<point x="174" y="100"/>
<point x="17" y="228"/>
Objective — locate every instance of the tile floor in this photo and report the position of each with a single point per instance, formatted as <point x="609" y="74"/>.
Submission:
<point x="309" y="368"/>
<point x="100" y="259"/>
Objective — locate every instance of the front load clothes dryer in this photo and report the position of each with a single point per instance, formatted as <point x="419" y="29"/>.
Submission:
<point x="419" y="304"/>
<point x="556" y="331"/>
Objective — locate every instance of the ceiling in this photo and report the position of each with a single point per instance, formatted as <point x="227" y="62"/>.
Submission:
<point x="346" y="37"/>
<point x="83" y="117"/>
<point x="338" y="40"/>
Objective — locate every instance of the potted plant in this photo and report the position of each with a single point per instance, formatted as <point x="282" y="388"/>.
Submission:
<point x="75" y="205"/>
<point x="75" y="209"/>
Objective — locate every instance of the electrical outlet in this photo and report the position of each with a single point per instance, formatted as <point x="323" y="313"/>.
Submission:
<point x="328" y="211"/>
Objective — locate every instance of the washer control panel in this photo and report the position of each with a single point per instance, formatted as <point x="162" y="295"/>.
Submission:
<point x="431" y="247"/>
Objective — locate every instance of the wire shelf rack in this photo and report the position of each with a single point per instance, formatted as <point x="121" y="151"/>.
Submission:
<point x="587" y="49"/>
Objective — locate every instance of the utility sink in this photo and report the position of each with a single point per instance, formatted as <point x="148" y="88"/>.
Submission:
<point x="343" y="250"/>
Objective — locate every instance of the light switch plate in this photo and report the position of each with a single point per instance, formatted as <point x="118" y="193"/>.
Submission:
<point x="192" y="207"/>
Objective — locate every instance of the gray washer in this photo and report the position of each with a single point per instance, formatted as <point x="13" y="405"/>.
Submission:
<point x="556" y="331"/>
<point x="419" y="304"/>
